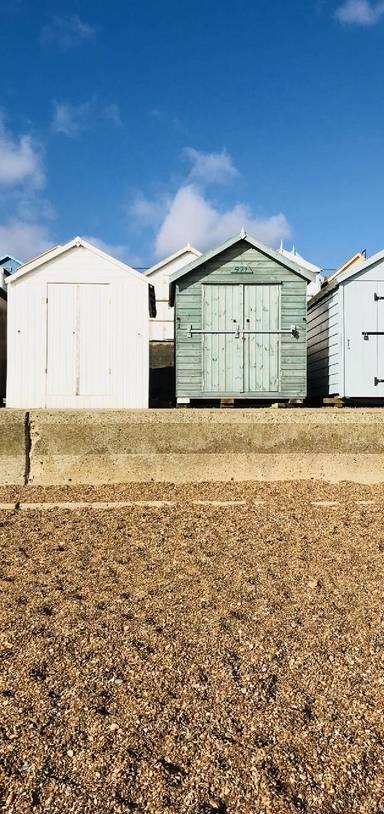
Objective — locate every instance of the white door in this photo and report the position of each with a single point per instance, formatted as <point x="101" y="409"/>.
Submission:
<point x="78" y="371"/>
<point x="364" y="342"/>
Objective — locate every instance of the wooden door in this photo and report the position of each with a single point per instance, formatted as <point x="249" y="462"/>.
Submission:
<point x="261" y="348"/>
<point x="78" y="345"/>
<point x="61" y="343"/>
<point x="94" y="340"/>
<point x="222" y="346"/>
<point x="363" y="316"/>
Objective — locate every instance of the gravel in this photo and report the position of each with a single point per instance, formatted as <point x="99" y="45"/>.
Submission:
<point x="192" y="658"/>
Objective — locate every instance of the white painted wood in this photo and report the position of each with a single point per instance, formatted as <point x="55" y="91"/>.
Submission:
<point x="61" y="341"/>
<point x="361" y="355"/>
<point x="94" y="334"/>
<point x="323" y="342"/>
<point x="161" y="327"/>
<point x="340" y="361"/>
<point x="3" y="345"/>
<point x="111" y="332"/>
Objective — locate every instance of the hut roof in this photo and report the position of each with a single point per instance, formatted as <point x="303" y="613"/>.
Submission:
<point x="279" y="258"/>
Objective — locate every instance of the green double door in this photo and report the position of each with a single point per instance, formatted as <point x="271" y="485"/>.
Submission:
<point x="239" y="354"/>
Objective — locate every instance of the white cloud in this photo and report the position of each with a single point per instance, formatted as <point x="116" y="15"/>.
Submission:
<point x="191" y="217"/>
<point x="71" y="120"/>
<point x="67" y="32"/>
<point x="211" y="168"/>
<point x="114" y="249"/>
<point x="359" y="12"/>
<point x="20" y="161"/>
<point x="149" y="212"/>
<point x="23" y="239"/>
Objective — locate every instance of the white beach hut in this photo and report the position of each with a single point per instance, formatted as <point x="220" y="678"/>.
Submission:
<point x="346" y="332"/>
<point x="161" y="327"/>
<point x="78" y="331"/>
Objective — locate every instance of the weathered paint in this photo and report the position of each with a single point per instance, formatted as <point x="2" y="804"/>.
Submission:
<point x="251" y="285"/>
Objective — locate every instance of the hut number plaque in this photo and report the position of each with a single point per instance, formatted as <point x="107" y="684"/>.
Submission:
<point x="242" y="270"/>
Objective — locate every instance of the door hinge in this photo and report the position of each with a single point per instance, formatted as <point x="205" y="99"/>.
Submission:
<point x="378" y="381"/>
<point x="46" y="300"/>
<point x="377" y="297"/>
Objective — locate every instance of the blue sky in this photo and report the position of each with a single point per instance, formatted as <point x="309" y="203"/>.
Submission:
<point x="143" y="125"/>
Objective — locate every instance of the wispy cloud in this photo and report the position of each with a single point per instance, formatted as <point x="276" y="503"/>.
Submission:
<point x="67" y="32"/>
<point x="27" y="230"/>
<point x="72" y="119"/>
<point x="20" y="159"/>
<point x="24" y="239"/>
<point x="190" y="215"/>
<point x="360" y="12"/>
<point x="211" y="168"/>
<point x="149" y="212"/>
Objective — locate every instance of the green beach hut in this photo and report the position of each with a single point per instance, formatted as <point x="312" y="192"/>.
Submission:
<point x="240" y="324"/>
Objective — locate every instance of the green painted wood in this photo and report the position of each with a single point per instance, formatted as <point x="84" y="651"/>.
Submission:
<point x="222" y="353"/>
<point x="261" y="351"/>
<point x="192" y="353"/>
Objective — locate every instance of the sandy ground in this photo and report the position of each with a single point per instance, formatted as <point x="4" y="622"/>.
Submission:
<point x="197" y="659"/>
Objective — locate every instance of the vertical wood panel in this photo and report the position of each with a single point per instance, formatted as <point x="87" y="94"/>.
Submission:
<point x="61" y="340"/>
<point x="94" y="334"/>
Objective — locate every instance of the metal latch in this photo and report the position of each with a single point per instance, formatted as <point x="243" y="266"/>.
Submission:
<point x="292" y="331"/>
<point x="235" y="333"/>
<point x="367" y="334"/>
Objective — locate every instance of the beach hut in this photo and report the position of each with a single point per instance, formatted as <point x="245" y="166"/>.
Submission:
<point x="3" y="341"/>
<point x="240" y="324"/>
<point x="346" y="332"/>
<point x="8" y="265"/>
<point x="162" y="328"/>
<point x="315" y="285"/>
<point x="78" y="331"/>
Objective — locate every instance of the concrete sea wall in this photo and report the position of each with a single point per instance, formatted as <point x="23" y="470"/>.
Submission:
<point x="46" y="447"/>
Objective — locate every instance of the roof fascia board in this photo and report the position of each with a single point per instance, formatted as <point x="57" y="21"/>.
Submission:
<point x="204" y="258"/>
<point x="185" y="250"/>
<point x="347" y="275"/>
<point x="58" y="250"/>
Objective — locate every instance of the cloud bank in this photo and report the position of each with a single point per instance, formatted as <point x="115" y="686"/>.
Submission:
<point x="190" y="215"/>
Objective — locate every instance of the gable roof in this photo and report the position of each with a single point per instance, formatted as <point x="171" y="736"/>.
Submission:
<point x="283" y="261"/>
<point x="299" y="259"/>
<point x="351" y="271"/>
<point x="56" y="251"/>
<point x="9" y="257"/>
<point x="188" y="249"/>
<point x="356" y="258"/>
